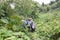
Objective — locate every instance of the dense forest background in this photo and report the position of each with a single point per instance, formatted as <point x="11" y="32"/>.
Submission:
<point x="46" y="17"/>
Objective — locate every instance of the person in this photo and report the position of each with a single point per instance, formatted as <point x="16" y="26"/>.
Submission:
<point x="31" y="25"/>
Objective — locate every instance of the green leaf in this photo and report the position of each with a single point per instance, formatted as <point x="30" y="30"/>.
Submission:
<point x="4" y="20"/>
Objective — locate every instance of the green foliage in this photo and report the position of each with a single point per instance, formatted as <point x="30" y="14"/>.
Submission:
<point x="4" y="20"/>
<point x="12" y="28"/>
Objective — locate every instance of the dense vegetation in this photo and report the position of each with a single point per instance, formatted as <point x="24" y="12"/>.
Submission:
<point x="46" y="17"/>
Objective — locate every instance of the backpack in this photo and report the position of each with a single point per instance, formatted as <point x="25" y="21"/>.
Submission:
<point x="33" y="27"/>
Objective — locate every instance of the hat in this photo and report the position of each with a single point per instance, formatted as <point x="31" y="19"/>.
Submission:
<point x="30" y="18"/>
